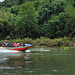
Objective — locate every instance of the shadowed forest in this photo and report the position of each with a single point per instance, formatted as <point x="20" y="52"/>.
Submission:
<point x="37" y="18"/>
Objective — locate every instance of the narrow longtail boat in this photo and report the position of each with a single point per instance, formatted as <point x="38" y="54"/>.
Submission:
<point x="22" y="48"/>
<point x="18" y="48"/>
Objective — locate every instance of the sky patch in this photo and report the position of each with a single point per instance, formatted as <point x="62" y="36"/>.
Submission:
<point x="1" y="0"/>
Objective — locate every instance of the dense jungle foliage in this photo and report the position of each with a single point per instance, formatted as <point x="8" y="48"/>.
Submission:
<point x="37" y="18"/>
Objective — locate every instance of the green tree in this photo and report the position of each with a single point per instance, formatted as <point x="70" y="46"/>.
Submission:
<point x="26" y="22"/>
<point x="10" y="3"/>
<point x="48" y="19"/>
<point x="70" y="21"/>
<point x="6" y="23"/>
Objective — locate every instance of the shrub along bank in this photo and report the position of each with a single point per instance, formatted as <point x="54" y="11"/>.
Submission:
<point x="46" y="41"/>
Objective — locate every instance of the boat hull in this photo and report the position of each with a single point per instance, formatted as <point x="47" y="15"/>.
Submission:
<point x="18" y="48"/>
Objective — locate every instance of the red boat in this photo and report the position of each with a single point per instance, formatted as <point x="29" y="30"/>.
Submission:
<point x="22" y="48"/>
<point x="18" y="48"/>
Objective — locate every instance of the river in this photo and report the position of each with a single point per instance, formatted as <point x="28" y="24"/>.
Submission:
<point x="38" y="61"/>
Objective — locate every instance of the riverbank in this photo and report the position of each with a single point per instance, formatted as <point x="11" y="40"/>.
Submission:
<point x="46" y="41"/>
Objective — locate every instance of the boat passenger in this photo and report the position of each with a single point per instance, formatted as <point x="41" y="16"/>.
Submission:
<point x="12" y="44"/>
<point x="0" y="44"/>
<point x="24" y="44"/>
<point x="20" y="44"/>
<point x="5" y="43"/>
<point x="15" y="45"/>
<point x="8" y="45"/>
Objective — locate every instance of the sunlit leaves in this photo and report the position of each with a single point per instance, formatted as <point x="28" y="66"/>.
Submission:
<point x="6" y="23"/>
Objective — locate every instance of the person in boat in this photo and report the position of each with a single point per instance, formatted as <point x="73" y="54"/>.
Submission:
<point x="15" y="45"/>
<point x="20" y="44"/>
<point x="0" y="44"/>
<point x="9" y="44"/>
<point x="24" y="44"/>
<point x="5" y="43"/>
<point x="12" y="44"/>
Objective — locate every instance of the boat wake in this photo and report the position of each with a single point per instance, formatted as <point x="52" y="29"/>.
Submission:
<point x="5" y="53"/>
<point x="41" y="49"/>
<point x="6" y="50"/>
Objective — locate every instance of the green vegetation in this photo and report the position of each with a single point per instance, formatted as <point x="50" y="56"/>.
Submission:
<point x="45" y="41"/>
<point x="38" y="18"/>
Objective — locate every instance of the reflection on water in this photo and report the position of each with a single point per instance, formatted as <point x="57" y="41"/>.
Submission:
<point x="40" y="61"/>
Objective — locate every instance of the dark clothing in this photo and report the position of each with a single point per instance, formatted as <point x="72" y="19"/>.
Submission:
<point x="12" y="45"/>
<point x="0" y="44"/>
<point x="19" y="44"/>
<point x="8" y="45"/>
<point x="24" y="44"/>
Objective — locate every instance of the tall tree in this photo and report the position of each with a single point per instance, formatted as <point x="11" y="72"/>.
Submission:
<point x="6" y="23"/>
<point x="26" y="22"/>
<point x="48" y="20"/>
